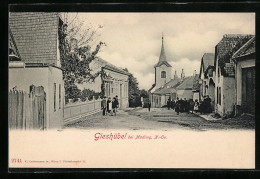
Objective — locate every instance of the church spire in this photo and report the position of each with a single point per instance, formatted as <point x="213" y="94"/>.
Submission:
<point x="162" y="58"/>
<point x="162" y="55"/>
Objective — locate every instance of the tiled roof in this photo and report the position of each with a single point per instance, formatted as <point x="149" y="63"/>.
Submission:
<point x="207" y="61"/>
<point x="246" y="49"/>
<point x="226" y="48"/>
<point x="188" y="83"/>
<point x="168" y="87"/>
<point x="111" y="67"/>
<point x="36" y="35"/>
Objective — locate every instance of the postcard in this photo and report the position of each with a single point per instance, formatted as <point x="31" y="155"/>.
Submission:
<point x="131" y="90"/>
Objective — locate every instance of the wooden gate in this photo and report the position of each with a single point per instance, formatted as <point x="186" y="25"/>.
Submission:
<point x="27" y="111"/>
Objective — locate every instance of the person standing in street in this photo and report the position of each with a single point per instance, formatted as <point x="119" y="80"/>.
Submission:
<point x="191" y="105"/>
<point x="196" y="106"/>
<point x="177" y="106"/>
<point x="109" y="105"/>
<point x="149" y="105"/>
<point x="114" y="106"/>
<point x="169" y="103"/>
<point x="116" y="103"/>
<point x="104" y="105"/>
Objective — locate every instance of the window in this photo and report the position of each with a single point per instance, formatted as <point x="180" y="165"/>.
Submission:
<point x="59" y="96"/>
<point x="54" y="97"/>
<point x="163" y="74"/>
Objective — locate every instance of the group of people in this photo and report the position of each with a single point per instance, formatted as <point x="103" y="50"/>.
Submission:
<point x="110" y="106"/>
<point x="183" y="105"/>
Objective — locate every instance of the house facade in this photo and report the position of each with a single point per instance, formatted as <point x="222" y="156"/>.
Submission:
<point x="207" y="77"/>
<point x="244" y="60"/>
<point x="225" y="84"/>
<point x="115" y="83"/>
<point x="36" y="38"/>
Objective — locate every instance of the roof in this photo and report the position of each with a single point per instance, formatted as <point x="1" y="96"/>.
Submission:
<point x="151" y="88"/>
<point x="247" y="49"/>
<point x="36" y="35"/>
<point x="224" y="50"/>
<point x="207" y="60"/>
<point x="168" y="87"/>
<point x="189" y="83"/>
<point x="162" y="58"/>
<point x="110" y="66"/>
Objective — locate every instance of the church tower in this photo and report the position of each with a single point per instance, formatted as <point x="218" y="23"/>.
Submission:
<point x="162" y="69"/>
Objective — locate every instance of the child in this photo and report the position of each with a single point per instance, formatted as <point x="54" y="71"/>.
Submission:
<point x="109" y="105"/>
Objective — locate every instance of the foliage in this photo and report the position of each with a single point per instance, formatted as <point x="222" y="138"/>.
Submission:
<point x="144" y="93"/>
<point x="75" y="60"/>
<point x="89" y="94"/>
<point x="72" y="92"/>
<point x="134" y="93"/>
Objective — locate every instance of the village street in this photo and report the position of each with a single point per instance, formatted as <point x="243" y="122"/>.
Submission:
<point x="160" y="119"/>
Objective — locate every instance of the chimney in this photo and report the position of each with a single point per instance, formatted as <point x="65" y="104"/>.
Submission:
<point x="195" y="72"/>
<point x="182" y="74"/>
<point x="175" y="75"/>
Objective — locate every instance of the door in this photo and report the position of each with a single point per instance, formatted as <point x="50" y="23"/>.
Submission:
<point x="248" y="90"/>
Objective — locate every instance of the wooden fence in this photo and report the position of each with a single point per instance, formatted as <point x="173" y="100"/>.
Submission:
<point x="27" y="111"/>
<point x="80" y="109"/>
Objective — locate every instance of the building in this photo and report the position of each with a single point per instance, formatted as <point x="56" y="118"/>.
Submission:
<point x="162" y="70"/>
<point x="244" y="60"/>
<point x="166" y="87"/>
<point x="225" y="84"/>
<point x="188" y="87"/>
<point x="36" y="38"/>
<point x="115" y="83"/>
<point x="207" y="77"/>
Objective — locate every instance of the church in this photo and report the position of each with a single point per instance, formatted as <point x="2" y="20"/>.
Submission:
<point x="166" y="86"/>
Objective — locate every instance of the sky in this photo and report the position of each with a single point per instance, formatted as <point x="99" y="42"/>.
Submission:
<point x="134" y="39"/>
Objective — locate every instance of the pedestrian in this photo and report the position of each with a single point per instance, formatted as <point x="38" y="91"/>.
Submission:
<point x="196" y="106"/>
<point x="181" y="107"/>
<point x="177" y="106"/>
<point x="173" y="104"/>
<point x="114" y="106"/>
<point x="186" y="105"/>
<point x="201" y="106"/>
<point x="109" y="105"/>
<point x="169" y="103"/>
<point x="192" y="103"/>
<point x="104" y="105"/>
<point x="149" y="105"/>
<point x="117" y="103"/>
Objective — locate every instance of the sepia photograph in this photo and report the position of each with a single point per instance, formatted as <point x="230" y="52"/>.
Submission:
<point x="131" y="90"/>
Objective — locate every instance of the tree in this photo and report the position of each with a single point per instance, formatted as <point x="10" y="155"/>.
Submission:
<point x="75" y="58"/>
<point x="134" y="93"/>
<point x="144" y="93"/>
